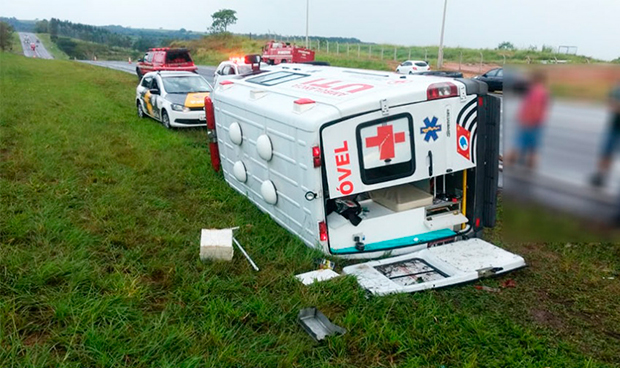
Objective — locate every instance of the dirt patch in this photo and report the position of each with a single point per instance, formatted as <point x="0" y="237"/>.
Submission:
<point x="36" y="338"/>
<point x="546" y="318"/>
<point x="469" y="70"/>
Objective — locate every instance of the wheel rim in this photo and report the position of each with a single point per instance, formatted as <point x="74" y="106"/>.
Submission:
<point x="166" y="120"/>
<point x="140" y="112"/>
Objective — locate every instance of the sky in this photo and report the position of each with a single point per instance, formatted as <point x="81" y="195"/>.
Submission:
<point x="591" y="25"/>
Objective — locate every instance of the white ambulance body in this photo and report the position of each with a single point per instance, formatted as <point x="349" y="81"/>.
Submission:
<point x="359" y="163"/>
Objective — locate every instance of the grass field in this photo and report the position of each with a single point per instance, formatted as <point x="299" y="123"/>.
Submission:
<point x="211" y="50"/>
<point x="99" y="242"/>
<point x="16" y="45"/>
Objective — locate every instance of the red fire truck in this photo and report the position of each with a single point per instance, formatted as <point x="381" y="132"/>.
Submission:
<point x="283" y="52"/>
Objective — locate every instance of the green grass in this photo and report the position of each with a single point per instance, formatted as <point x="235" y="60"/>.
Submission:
<point x="99" y="243"/>
<point x="51" y="47"/>
<point x="16" y="47"/>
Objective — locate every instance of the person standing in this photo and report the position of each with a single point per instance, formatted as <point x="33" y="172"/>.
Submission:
<point x="612" y="138"/>
<point x="531" y="117"/>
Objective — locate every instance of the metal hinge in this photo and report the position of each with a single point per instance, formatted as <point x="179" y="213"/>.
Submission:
<point x="488" y="271"/>
<point x="212" y="135"/>
<point x="385" y="109"/>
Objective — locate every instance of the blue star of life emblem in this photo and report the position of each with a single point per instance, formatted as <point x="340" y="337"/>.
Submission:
<point x="430" y="129"/>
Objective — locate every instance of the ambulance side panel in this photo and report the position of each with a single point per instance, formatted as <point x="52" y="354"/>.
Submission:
<point x="290" y="169"/>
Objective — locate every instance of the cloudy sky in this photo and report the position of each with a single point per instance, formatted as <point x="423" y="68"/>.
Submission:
<point x="591" y="25"/>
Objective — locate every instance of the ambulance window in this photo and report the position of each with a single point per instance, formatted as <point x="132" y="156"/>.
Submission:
<point x="386" y="149"/>
<point x="272" y="79"/>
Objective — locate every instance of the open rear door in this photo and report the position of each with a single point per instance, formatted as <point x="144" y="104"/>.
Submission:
<point x="450" y="264"/>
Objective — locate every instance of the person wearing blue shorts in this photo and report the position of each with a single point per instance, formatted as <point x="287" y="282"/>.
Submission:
<point x="611" y="141"/>
<point x="531" y="116"/>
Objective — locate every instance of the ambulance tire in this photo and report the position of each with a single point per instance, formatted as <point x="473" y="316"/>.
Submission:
<point x="140" y="75"/>
<point x="165" y="119"/>
<point x="140" y="111"/>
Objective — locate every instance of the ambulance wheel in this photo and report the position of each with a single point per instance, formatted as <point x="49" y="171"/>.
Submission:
<point x="165" y="120"/>
<point x="140" y="75"/>
<point x="140" y="111"/>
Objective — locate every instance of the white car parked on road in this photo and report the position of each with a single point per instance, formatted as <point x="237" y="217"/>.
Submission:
<point x="234" y="66"/>
<point x="412" y="67"/>
<point x="176" y="99"/>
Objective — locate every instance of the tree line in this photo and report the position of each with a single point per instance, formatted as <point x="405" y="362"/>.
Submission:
<point x="56" y="28"/>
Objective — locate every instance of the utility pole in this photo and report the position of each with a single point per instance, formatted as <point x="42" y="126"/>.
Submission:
<point x="443" y="24"/>
<point x="307" y="16"/>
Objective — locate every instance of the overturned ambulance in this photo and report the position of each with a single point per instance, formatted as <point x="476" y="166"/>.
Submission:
<point x="364" y="164"/>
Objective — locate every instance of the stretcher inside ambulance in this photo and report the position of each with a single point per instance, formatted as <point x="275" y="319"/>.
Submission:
<point x="364" y="164"/>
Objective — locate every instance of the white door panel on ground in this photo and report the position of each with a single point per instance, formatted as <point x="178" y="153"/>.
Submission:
<point x="436" y="267"/>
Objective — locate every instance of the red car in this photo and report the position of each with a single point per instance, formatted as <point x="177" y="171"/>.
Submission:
<point x="165" y="58"/>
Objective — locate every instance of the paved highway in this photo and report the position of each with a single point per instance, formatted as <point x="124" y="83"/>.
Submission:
<point x="572" y="140"/>
<point x="27" y="39"/>
<point x="125" y="66"/>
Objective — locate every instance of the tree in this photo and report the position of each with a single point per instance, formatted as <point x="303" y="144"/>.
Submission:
<point x="41" y="26"/>
<point x="505" y="46"/>
<point x="6" y="36"/>
<point x="53" y="29"/>
<point x="222" y="19"/>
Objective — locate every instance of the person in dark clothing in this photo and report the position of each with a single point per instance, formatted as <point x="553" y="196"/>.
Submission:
<point x="612" y="139"/>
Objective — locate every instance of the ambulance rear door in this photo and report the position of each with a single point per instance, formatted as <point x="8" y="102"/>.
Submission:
<point x="436" y="267"/>
<point x="376" y="150"/>
<point x="388" y="148"/>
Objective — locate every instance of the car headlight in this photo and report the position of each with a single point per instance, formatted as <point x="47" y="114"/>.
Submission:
<point x="177" y="107"/>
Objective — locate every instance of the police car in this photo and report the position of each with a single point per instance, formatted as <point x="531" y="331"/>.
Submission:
<point x="176" y="99"/>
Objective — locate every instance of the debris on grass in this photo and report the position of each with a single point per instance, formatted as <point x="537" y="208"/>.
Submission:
<point x="317" y="275"/>
<point x="254" y="266"/>
<point x="216" y="244"/>
<point x="488" y="288"/>
<point x="510" y="283"/>
<point x="317" y="325"/>
<point x="324" y="264"/>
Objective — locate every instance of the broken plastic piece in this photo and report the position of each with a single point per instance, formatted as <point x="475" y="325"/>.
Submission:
<point x="317" y="325"/>
<point x="319" y="275"/>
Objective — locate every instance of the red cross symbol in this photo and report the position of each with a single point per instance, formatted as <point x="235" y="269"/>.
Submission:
<point x="385" y="140"/>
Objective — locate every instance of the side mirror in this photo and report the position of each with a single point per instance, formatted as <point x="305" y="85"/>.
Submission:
<point x="154" y="91"/>
<point x="141" y="60"/>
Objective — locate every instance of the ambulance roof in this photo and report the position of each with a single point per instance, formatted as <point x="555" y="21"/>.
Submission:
<point x="345" y="91"/>
<point x="335" y="86"/>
